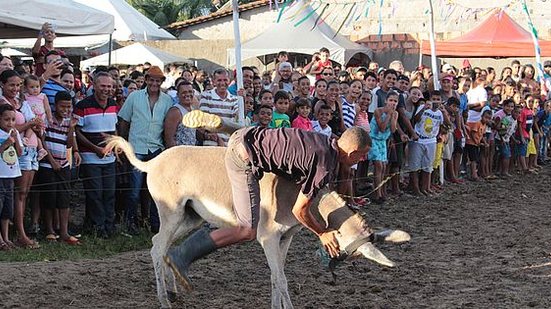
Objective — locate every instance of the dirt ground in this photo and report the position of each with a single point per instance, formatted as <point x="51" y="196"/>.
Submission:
<point x="483" y="245"/>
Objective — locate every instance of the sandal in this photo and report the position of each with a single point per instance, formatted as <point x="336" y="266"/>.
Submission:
<point x="51" y="237"/>
<point x="71" y="240"/>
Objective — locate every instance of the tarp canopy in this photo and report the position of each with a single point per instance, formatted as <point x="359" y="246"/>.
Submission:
<point x="24" y="18"/>
<point x="129" y="24"/>
<point x="498" y="36"/>
<point x="306" y="38"/>
<point x="135" y="54"/>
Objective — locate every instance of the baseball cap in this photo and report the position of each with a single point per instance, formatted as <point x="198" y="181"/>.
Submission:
<point x="547" y="63"/>
<point x="361" y="68"/>
<point x="446" y="67"/>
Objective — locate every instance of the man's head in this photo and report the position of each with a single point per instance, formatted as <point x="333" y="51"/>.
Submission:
<point x="114" y="72"/>
<point x="248" y="75"/>
<point x="353" y="145"/>
<point x="52" y="57"/>
<point x="389" y="79"/>
<point x="103" y="83"/>
<point x="547" y="66"/>
<point x="221" y="81"/>
<point x="154" y="78"/>
<point x="285" y="70"/>
<point x="403" y="83"/>
<point x="446" y="82"/>
<point x="397" y="66"/>
<point x="515" y="66"/>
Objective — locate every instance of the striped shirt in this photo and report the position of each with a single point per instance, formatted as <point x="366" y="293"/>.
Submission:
<point x="55" y="141"/>
<point x="226" y="108"/>
<point x="50" y="89"/>
<point x="94" y="121"/>
<point x="348" y="113"/>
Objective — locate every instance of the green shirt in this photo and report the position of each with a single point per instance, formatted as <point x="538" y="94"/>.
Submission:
<point x="280" y="120"/>
<point x="146" y="127"/>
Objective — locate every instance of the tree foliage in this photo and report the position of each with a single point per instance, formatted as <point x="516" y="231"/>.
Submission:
<point x="164" y="12"/>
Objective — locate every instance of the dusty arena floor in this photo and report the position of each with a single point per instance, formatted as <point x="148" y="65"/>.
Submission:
<point x="483" y="245"/>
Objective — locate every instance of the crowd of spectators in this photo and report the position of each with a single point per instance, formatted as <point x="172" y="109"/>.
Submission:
<point x="54" y="120"/>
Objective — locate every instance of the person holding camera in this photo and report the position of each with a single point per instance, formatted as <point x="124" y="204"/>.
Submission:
<point x="47" y="32"/>
<point x="51" y="78"/>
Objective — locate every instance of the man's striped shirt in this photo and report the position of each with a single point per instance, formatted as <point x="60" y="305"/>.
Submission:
<point x="226" y="108"/>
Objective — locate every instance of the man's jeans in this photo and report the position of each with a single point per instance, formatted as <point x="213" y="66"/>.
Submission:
<point x="99" y="187"/>
<point x="137" y="179"/>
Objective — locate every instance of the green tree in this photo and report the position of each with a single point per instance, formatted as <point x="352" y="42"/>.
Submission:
<point x="165" y="12"/>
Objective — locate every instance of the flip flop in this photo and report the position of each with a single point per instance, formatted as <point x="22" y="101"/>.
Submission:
<point x="51" y="237"/>
<point x="73" y="241"/>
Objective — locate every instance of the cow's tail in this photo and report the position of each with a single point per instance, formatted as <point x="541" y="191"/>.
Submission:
<point x="119" y="144"/>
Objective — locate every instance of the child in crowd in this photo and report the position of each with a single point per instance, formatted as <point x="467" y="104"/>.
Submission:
<point x="343" y="88"/>
<point x="303" y="109"/>
<point x="531" y="151"/>
<point x="11" y="146"/>
<point x="38" y="103"/>
<point x="54" y="174"/>
<point x="525" y="122"/>
<point x="488" y="152"/>
<point x="361" y="116"/>
<point x="266" y="98"/>
<point x="544" y="122"/>
<point x="454" y="135"/>
<point x="249" y="108"/>
<point x="323" y="117"/>
<point x="505" y="127"/>
<point x="280" y="119"/>
<point x="441" y="142"/>
<point x="263" y="115"/>
<point x="382" y="125"/>
<point x="476" y="140"/>
<point x="421" y="152"/>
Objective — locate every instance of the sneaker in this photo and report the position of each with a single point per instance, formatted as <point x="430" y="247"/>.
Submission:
<point x="198" y="119"/>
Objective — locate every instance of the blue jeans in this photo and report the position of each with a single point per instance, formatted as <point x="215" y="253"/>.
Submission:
<point x="99" y="185"/>
<point x="136" y="182"/>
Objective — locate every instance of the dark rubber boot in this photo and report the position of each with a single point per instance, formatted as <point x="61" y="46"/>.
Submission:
<point x="179" y="258"/>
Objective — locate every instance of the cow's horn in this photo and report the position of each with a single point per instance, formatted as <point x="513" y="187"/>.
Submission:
<point x="370" y="252"/>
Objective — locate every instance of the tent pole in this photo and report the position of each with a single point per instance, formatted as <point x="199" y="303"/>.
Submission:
<point x="110" y="49"/>
<point x="435" y="69"/>
<point x="238" y="65"/>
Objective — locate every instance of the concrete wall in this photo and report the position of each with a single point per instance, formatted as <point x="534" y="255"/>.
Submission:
<point x="251" y="24"/>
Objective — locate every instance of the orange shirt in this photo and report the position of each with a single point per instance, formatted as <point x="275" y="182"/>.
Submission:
<point x="475" y="132"/>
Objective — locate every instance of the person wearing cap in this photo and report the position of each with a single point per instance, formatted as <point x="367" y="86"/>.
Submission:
<point x="373" y="67"/>
<point x="283" y="77"/>
<point x="141" y="122"/>
<point x="359" y="73"/>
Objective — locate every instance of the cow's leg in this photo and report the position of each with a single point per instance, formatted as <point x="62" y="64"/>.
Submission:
<point x="272" y="250"/>
<point x="170" y="221"/>
<point x="284" y="244"/>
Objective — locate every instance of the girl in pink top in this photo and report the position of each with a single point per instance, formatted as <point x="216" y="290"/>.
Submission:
<point x="302" y="121"/>
<point x="38" y="102"/>
<point x="361" y="116"/>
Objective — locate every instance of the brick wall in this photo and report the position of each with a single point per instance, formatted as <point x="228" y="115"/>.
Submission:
<point x="387" y="42"/>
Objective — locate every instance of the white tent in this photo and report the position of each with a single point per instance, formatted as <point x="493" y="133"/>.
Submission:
<point x="135" y="54"/>
<point x="130" y="25"/>
<point x="305" y="38"/>
<point x="24" y="18"/>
